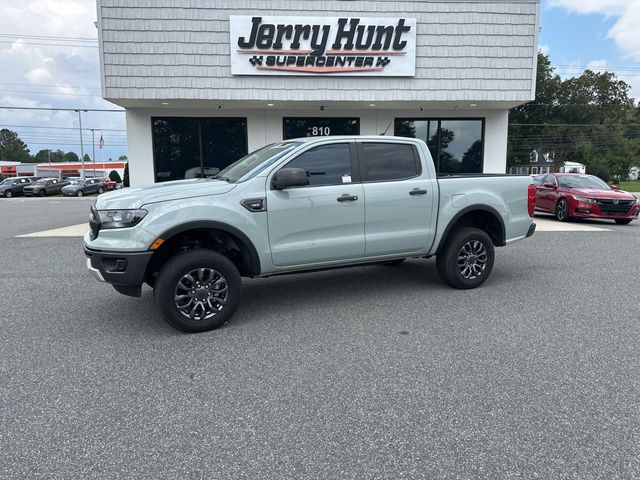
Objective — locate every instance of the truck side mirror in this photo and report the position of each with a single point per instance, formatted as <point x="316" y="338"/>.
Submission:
<point x="289" y="177"/>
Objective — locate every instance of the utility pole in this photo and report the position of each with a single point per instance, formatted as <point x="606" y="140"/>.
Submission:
<point x="49" y="151"/>
<point x="81" y="144"/>
<point x="93" y="141"/>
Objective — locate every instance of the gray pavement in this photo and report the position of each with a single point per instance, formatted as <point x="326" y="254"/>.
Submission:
<point x="371" y="372"/>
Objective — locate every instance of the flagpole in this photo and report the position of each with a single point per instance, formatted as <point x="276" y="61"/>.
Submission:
<point x="93" y="141"/>
<point x="81" y="142"/>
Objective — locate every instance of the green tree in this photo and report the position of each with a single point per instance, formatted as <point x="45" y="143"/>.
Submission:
<point x="70" y="157"/>
<point x="12" y="148"/>
<point x="125" y="179"/>
<point x="115" y="176"/>
<point x="86" y="158"/>
<point x="43" y="156"/>
<point x="122" y="158"/>
<point x="588" y="119"/>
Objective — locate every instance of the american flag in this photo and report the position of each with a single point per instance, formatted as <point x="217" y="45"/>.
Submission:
<point x="101" y="143"/>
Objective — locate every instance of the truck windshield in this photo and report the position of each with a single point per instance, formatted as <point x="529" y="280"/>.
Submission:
<point x="254" y="163"/>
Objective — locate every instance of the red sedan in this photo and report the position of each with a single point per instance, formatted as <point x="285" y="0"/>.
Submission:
<point x="574" y="195"/>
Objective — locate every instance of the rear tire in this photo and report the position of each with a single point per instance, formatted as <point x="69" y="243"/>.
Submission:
<point x="100" y="191"/>
<point x="623" y="221"/>
<point x="198" y="290"/>
<point x="466" y="261"/>
<point x="562" y="210"/>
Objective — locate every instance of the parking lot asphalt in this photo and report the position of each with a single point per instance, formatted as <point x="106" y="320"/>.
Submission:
<point x="370" y="372"/>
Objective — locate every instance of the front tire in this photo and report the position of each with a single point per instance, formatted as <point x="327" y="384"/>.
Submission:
<point x="8" y="194"/>
<point x="466" y="261"/>
<point x="623" y="221"/>
<point x="198" y="290"/>
<point x="42" y="193"/>
<point x="80" y="193"/>
<point x="562" y="210"/>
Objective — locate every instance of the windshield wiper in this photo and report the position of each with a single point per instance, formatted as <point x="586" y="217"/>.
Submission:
<point x="220" y="177"/>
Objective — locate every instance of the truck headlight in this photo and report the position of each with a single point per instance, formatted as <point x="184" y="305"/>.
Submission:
<point x="584" y="199"/>
<point x="120" y="218"/>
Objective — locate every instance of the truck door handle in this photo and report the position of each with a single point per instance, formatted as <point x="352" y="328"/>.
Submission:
<point x="417" y="191"/>
<point x="347" y="198"/>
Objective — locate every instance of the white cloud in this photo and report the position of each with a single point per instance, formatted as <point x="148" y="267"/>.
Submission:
<point x="545" y="49"/>
<point x="597" y="65"/>
<point x="625" y="32"/>
<point x="37" y="74"/>
<point x="606" y="7"/>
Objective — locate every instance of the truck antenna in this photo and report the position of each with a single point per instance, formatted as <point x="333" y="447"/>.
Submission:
<point x="386" y="129"/>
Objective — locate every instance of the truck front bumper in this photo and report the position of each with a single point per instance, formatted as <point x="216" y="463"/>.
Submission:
<point x="124" y="270"/>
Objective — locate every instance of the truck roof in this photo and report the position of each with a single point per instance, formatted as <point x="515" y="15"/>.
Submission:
<point x="352" y="137"/>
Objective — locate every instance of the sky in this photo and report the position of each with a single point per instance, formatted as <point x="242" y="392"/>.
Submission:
<point x="49" y="58"/>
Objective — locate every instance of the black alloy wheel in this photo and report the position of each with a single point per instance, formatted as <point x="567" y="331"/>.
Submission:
<point x="198" y="290"/>
<point x="466" y="261"/>
<point x="562" y="210"/>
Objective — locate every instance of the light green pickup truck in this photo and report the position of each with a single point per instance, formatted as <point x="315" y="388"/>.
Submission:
<point x="301" y="205"/>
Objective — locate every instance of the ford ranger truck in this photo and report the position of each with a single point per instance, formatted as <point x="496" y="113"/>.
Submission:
<point x="298" y="206"/>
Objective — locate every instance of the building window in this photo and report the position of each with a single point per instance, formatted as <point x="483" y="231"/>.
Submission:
<point x="388" y="161"/>
<point x="534" y="170"/>
<point x="456" y="145"/>
<point x="185" y="147"/>
<point x="297" y="127"/>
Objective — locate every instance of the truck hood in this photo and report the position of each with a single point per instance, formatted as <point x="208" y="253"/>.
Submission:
<point x="131" y="198"/>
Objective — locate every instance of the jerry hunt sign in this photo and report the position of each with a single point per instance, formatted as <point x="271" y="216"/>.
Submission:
<point x="330" y="46"/>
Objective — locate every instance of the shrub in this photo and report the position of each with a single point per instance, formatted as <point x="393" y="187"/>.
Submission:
<point x="115" y="176"/>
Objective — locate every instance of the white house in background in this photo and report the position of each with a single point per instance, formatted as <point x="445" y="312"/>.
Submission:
<point x="634" y="173"/>
<point x="573" y="167"/>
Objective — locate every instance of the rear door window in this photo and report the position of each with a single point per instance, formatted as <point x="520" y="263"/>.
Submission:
<point x="388" y="161"/>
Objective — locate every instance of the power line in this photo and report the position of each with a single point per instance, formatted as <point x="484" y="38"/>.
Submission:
<point x="593" y="67"/>
<point x="67" y="128"/>
<point x="50" y="37"/>
<point x="51" y="93"/>
<point x="74" y="144"/>
<point x="571" y="124"/>
<point x="59" y="85"/>
<point x="64" y="109"/>
<point x="49" y="44"/>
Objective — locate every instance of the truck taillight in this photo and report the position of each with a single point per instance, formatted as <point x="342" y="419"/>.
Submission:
<point x="531" y="199"/>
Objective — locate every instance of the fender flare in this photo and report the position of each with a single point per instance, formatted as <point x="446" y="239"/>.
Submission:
<point x="254" y="258"/>
<point x="474" y="208"/>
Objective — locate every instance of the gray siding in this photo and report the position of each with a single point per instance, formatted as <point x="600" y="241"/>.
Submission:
<point x="179" y="49"/>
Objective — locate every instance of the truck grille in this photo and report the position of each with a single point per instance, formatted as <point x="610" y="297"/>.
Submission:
<point x="94" y="223"/>
<point x="615" y="207"/>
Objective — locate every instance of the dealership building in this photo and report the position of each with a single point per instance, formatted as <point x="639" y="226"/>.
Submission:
<point x="205" y="82"/>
